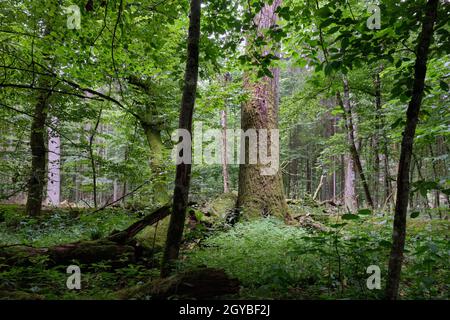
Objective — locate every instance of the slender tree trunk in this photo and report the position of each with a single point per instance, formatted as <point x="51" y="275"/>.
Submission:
<point x="115" y="191"/>
<point x="403" y="183"/>
<point x="411" y="178"/>
<point x="225" y="151"/>
<point x="308" y="176"/>
<point x="54" y="163"/>
<point x="350" y="200"/>
<point x="292" y="183"/>
<point x="183" y="171"/>
<point x="225" y="175"/>
<point x="261" y="194"/>
<point x="92" y="158"/>
<point x="346" y="106"/>
<point x="382" y="155"/>
<point x="426" y="202"/>
<point x="334" y="179"/>
<point x="437" y="203"/>
<point x="38" y="136"/>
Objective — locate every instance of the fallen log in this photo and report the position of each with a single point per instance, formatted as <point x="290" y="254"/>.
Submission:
<point x="203" y="283"/>
<point x="122" y="237"/>
<point x="84" y="252"/>
<point x="118" y="247"/>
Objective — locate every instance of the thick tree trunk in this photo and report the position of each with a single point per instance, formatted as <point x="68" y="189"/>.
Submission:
<point x="154" y="141"/>
<point x="183" y="172"/>
<point x="403" y="183"/>
<point x="38" y="136"/>
<point x="261" y="194"/>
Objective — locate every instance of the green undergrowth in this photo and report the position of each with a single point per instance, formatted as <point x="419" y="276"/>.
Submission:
<point x="60" y="225"/>
<point x="272" y="260"/>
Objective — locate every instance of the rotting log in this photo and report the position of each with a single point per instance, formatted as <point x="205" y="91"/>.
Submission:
<point x="202" y="283"/>
<point x="84" y="252"/>
<point x="118" y="247"/>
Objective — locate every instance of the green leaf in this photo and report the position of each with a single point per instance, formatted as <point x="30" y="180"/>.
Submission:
<point x="444" y="85"/>
<point x="350" y="216"/>
<point x="385" y="243"/>
<point x="324" y="12"/>
<point x="338" y="225"/>
<point x="415" y="214"/>
<point x="398" y="123"/>
<point x="365" y="212"/>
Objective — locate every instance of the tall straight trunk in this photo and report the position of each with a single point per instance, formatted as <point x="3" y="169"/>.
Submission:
<point x="377" y="136"/>
<point x="437" y="196"/>
<point x="346" y="106"/>
<point x="308" y="176"/>
<point x="261" y="194"/>
<point x="382" y="152"/>
<point x="38" y="136"/>
<point x="294" y="143"/>
<point x="349" y="174"/>
<point x="115" y="191"/>
<point x="350" y="200"/>
<point x="334" y="176"/>
<point x="54" y="164"/>
<point x="183" y="171"/>
<point x="92" y="158"/>
<point x="403" y="183"/>
<point x="225" y="151"/>
<point x="418" y="165"/>
<point x="225" y="175"/>
<point x="334" y="180"/>
<point x="342" y="178"/>
<point x="411" y="178"/>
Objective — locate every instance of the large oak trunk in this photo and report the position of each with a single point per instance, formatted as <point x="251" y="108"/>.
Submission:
<point x="261" y="194"/>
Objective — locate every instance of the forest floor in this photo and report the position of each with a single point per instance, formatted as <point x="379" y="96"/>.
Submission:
<point x="271" y="260"/>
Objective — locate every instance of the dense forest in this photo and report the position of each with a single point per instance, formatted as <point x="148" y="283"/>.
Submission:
<point x="226" y="149"/>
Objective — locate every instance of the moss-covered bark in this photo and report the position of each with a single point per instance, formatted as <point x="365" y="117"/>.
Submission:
<point x="36" y="182"/>
<point x="261" y="194"/>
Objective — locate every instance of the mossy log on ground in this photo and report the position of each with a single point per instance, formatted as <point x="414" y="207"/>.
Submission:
<point x="203" y="283"/>
<point x="82" y="252"/>
<point x="119" y="247"/>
